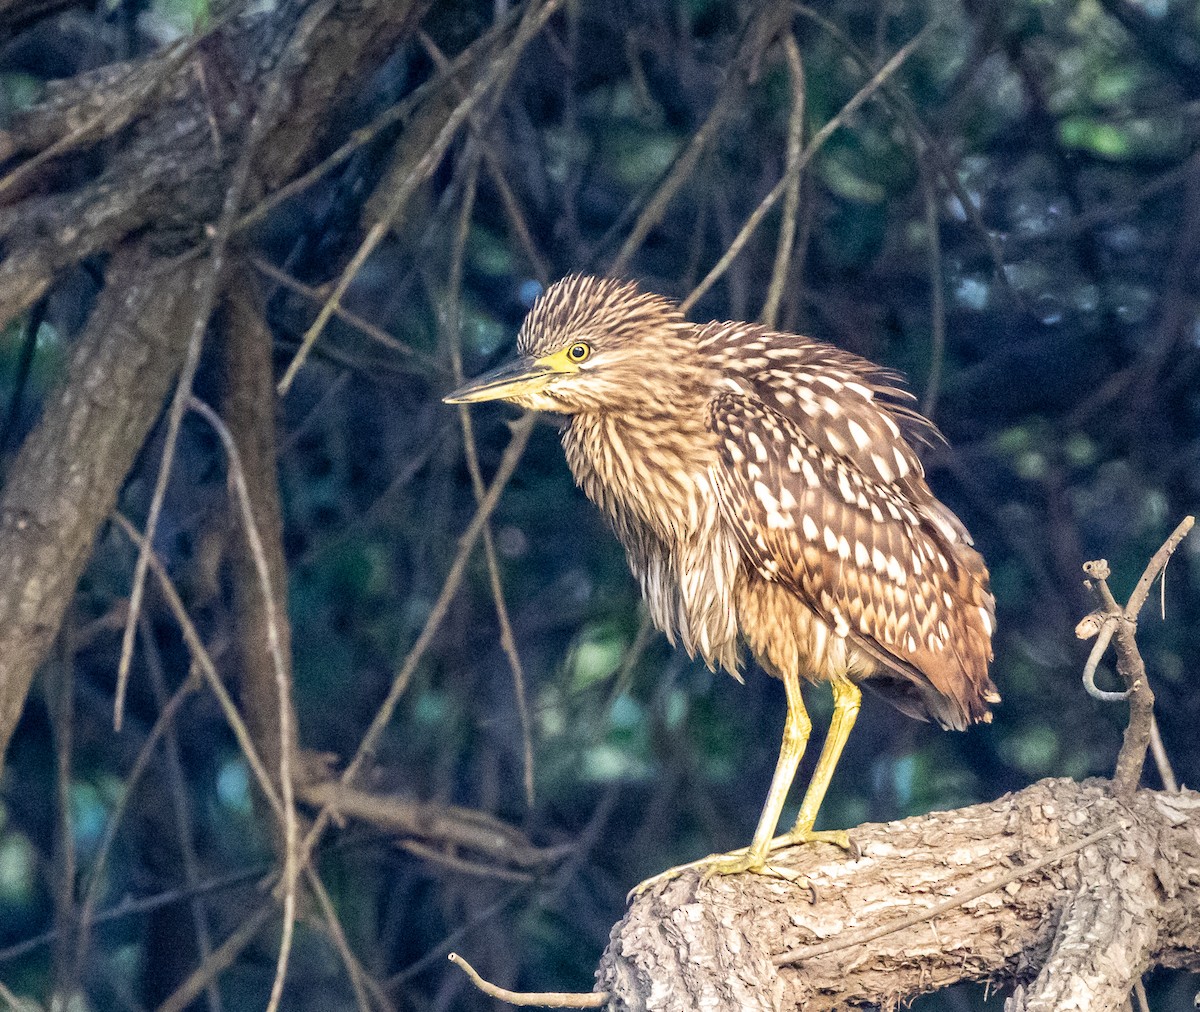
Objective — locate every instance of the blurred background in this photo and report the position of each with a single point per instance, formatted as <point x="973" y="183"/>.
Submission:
<point x="1011" y="218"/>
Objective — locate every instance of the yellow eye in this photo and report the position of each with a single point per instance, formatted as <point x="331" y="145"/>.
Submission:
<point x="579" y="352"/>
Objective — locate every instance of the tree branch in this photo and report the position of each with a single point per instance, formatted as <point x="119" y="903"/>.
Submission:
<point x="996" y="892"/>
<point x="64" y="481"/>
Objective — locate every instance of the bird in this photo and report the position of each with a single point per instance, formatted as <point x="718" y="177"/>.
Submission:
<point x="766" y="490"/>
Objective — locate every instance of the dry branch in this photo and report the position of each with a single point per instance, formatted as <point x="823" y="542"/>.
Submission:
<point x="249" y="408"/>
<point x="1133" y="895"/>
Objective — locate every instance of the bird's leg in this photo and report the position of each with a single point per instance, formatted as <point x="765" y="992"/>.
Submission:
<point x="796" y="732"/>
<point x="847" y="697"/>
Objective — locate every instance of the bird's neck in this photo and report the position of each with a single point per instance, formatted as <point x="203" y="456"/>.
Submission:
<point x="647" y="467"/>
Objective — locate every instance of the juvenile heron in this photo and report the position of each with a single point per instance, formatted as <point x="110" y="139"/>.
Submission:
<point x="763" y="484"/>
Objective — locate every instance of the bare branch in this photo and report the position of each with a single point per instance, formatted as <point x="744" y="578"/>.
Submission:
<point x="791" y="200"/>
<point x="525" y="999"/>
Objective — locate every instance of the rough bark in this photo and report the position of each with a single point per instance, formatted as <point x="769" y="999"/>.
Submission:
<point x="1073" y="933"/>
<point x="64" y="481"/>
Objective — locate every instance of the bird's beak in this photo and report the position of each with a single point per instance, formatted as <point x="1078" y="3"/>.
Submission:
<point x="524" y="375"/>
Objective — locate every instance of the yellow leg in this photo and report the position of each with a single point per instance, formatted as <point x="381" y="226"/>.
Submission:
<point x="847" y="697"/>
<point x="796" y="732"/>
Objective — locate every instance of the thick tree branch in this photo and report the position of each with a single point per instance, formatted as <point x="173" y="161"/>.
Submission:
<point x="1132" y="893"/>
<point x="64" y="482"/>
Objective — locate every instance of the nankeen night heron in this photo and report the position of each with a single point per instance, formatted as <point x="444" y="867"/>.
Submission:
<point x="764" y="485"/>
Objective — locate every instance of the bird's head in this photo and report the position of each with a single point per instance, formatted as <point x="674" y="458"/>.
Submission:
<point x="593" y="345"/>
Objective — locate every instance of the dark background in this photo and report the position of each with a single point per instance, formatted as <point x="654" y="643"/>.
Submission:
<point x="1013" y="221"/>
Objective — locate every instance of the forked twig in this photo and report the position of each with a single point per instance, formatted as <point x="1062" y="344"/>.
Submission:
<point x="1111" y="620"/>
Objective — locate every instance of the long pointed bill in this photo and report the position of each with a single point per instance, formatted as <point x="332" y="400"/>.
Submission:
<point x="520" y="376"/>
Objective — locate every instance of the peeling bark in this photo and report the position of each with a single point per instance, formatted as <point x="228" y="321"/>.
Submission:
<point x="1073" y="933"/>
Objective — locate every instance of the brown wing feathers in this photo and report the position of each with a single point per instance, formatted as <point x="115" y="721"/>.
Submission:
<point x="829" y="499"/>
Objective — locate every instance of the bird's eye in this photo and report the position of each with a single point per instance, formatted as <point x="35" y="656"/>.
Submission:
<point x="579" y="352"/>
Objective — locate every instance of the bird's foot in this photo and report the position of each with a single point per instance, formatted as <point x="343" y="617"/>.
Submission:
<point x="744" y="859"/>
<point x="736" y="862"/>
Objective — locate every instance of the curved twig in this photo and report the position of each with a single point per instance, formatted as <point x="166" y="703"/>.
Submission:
<point x="531" y="999"/>
<point x="1103" y="638"/>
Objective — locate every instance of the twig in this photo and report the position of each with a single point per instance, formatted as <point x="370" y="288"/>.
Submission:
<point x="1159" y="752"/>
<point x="531" y="23"/>
<point x="531" y="999"/>
<point x="1108" y="626"/>
<point x="815" y="145"/>
<point x="180" y="799"/>
<point x="1156" y="565"/>
<point x="96" y="877"/>
<point x="685" y="162"/>
<point x="221" y="959"/>
<point x="68" y="959"/>
<point x="291" y="868"/>
<point x="791" y="201"/>
<point x="396" y="114"/>
<point x="136" y="908"/>
<point x="449" y="825"/>
<point x="203" y="660"/>
<point x="462" y="865"/>
<point x="452" y="939"/>
<point x="834" y="944"/>
<point x="1139" y="992"/>
<point x="512" y="209"/>
<point x="360" y="980"/>
<point x="452" y="323"/>
<point x="17" y="1004"/>
<point x="937" y="295"/>
<point x="941" y="161"/>
<point x="375" y="333"/>
<point x="521" y="430"/>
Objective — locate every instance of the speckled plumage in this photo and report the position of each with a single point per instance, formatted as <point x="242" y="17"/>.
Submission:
<point x="763" y="483"/>
<point x="765" y="489"/>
